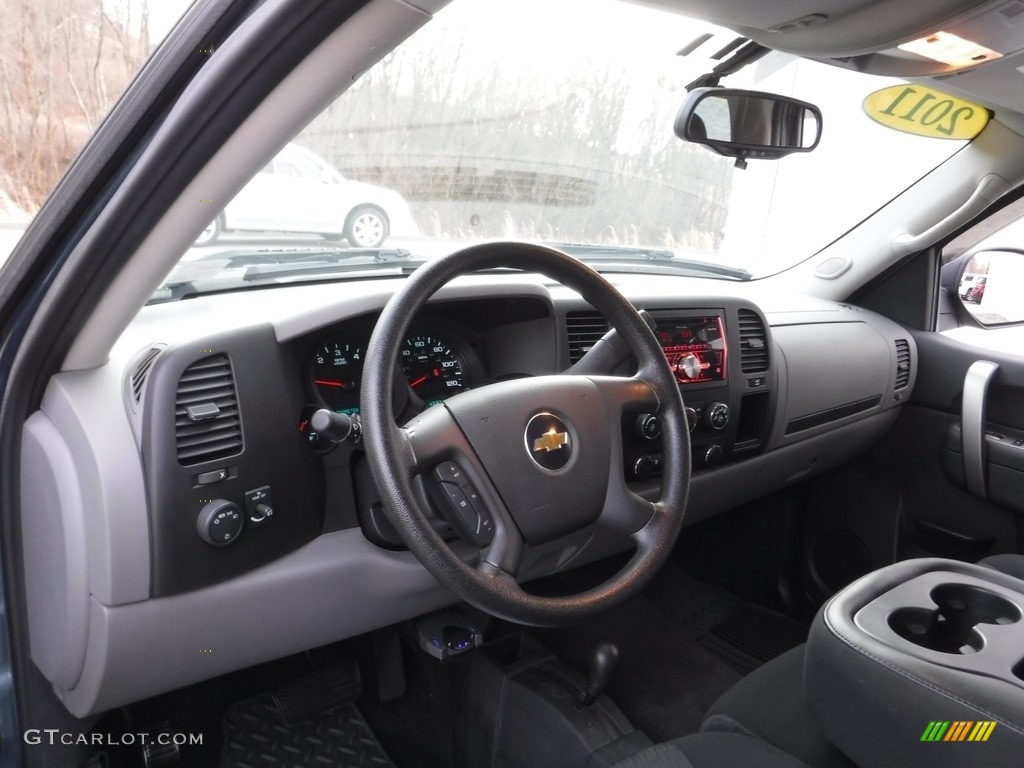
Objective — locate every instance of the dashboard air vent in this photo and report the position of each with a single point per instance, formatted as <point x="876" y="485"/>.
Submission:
<point x="902" y="363"/>
<point x="207" y="422"/>
<point x="585" y="329"/>
<point x="753" y="343"/>
<point x="137" y="381"/>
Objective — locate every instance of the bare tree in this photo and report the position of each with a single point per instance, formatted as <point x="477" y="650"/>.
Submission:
<point x="62" y="65"/>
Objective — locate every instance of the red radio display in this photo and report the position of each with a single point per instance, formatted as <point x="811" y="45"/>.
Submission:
<point x="694" y="347"/>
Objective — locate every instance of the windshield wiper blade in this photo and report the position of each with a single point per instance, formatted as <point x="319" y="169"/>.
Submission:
<point x="308" y="271"/>
<point x="256" y="274"/>
<point x="245" y="257"/>
<point x="617" y="252"/>
<point x="710" y="268"/>
<point x="660" y="256"/>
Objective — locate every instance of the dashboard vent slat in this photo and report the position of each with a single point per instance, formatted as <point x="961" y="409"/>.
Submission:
<point x="753" y="343"/>
<point x="902" y="363"/>
<point x="207" y="381"/>
<point x="141" y="372"/>
<point x="585" y="329"/>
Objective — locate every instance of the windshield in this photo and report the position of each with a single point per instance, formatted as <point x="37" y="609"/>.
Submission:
<point x="489" y="125"/>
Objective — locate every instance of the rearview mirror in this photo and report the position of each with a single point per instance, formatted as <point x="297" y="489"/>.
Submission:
<point x="748" y="124"/>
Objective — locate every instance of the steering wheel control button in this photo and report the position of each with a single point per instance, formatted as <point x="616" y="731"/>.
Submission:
<point x="461" y="505"/>
<point x="449" y="472"/>
<point x="220" y="522"/>
<point x="548" y="442"/>
<point x="259" y="506"/>
<point x="467" y="515"/>
<point x="648" y="426"/>
<point x="717" y="415"/>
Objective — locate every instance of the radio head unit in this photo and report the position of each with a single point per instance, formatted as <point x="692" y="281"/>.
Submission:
<point x="694" y="346"/>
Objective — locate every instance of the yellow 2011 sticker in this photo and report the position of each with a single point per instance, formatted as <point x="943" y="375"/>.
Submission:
<point x="926" y="112"/>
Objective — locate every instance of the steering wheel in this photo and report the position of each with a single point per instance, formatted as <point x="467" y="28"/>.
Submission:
<point x="525" y="461"/>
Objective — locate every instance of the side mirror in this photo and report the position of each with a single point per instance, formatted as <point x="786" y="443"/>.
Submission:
<point x="991" y="284"/>
<point x="748" y="124"/>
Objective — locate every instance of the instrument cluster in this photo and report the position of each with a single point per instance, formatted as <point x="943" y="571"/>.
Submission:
<point x="436" y="363"/>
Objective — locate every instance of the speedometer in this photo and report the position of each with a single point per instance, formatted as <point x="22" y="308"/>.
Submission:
<point x="433" y="368"/>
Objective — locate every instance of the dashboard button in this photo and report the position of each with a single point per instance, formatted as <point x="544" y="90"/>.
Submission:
<point x="206" y="478"/>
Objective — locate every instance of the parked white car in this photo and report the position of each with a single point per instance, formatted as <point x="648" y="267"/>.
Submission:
<point x="966" y="283"/>
<point x="299" y="192"/>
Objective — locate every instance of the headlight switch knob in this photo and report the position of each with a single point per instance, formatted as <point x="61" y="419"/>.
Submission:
<point x="220" y="522"/>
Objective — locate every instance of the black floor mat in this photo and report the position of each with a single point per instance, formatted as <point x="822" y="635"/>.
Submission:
<point x="683" y="644"/>
<point x="256" y="737"/>
<point x="752" y="636"/>
<point x="666" y="680"/>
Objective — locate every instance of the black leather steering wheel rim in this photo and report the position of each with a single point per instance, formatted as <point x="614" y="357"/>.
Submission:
<point x="394" y="462"/>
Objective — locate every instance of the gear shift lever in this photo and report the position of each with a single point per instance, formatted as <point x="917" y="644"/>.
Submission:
<point x="603" y="661"/>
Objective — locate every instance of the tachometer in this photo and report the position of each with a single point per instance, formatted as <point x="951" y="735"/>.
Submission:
<point x="433" y="367"/>
<point x="337" y="372"/>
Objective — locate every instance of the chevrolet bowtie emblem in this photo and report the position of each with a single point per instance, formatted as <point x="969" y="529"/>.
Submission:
<point x="550" y="441"/>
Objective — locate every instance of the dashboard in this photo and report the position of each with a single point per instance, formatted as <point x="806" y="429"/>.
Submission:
<point x="197" y="506"/>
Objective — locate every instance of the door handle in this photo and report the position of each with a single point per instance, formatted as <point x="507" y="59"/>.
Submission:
<point x="972" y="420"/>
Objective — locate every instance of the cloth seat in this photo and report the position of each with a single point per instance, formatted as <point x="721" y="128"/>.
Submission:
<point x="712" y="750"/>
<point x="770" y="705"/>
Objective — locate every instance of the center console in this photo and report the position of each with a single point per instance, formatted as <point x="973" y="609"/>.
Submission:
<point x="721" y="361"/>
<point x="922" y="655"/>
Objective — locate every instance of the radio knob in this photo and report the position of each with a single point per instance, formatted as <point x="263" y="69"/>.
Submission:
<point x="648" y="426"/>
<point x="716" y="415"/>
<point x="690" y="366"/>
<point x="691" y="418"/>
<point x="220" y="522"/>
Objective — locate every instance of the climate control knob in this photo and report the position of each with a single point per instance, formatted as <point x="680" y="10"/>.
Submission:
<point x="647" y="467"/>
<point x="716" y="415"/>
<point x="648" y="426"/>
<point x="712" y="455"/>
<point x="220" y="522"/>
<point x="691" y="418"/>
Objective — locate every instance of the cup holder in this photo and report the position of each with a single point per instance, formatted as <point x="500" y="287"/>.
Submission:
<point x="951" y="627"/>
<point x="1018" y="669"/>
